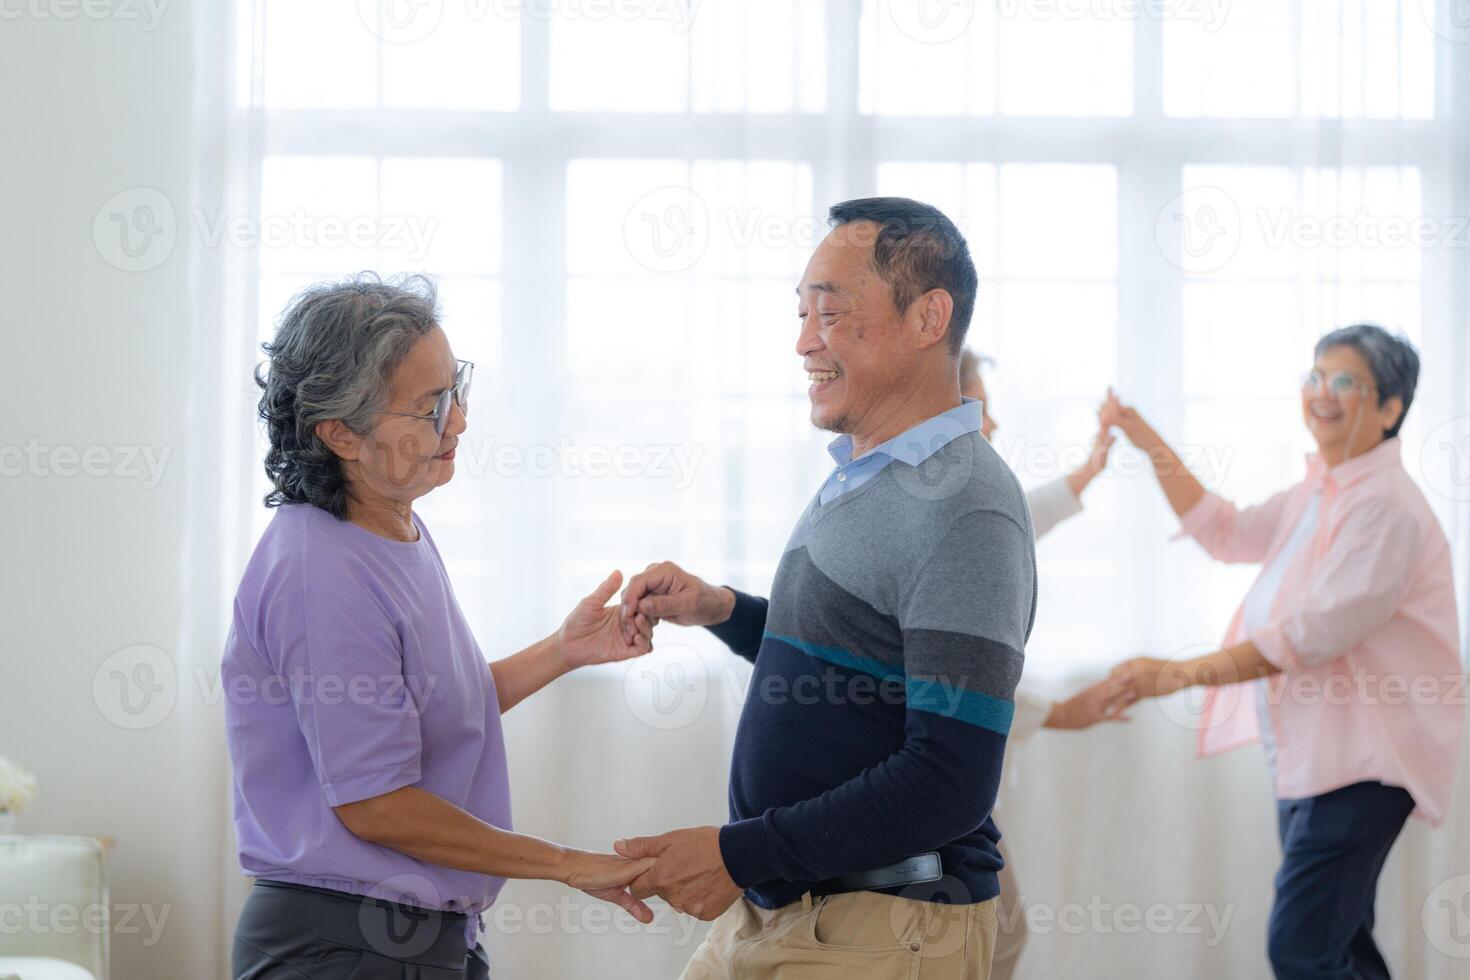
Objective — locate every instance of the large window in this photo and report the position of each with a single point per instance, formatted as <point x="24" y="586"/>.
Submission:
<point x="617" y="198"/>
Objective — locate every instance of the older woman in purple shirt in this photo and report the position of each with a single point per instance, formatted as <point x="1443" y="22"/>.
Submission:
<point x="371" y="798"/>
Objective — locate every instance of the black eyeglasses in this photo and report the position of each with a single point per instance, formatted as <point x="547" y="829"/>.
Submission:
<point x="463" y="375"/>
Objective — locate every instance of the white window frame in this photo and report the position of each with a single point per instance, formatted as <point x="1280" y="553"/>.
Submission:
<point x="844" y="148"/>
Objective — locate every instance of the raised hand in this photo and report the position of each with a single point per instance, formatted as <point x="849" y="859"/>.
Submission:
<point x="1097" y="460"/>
<point x="663" y="590"/>
<point x="1113" y="414"/>
<point x="1101" y="444"/>
<point x="688" y="871"/>
<point x="594" y="632"/>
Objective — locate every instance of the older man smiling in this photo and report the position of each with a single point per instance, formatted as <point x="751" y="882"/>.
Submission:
<point x="869" y="752"/>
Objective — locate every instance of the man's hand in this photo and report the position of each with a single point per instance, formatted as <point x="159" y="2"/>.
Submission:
<point x="1087" y="707"/>
<point x="594" y="633"/>
<point x="688" y="871"/>
<point x="663" y="590"/>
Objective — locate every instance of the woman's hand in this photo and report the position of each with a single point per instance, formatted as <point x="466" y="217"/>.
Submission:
<point x="1182" y="489"/>
<point x="1113" y="414"/>
<point x="1097" y="459"/>
<point x="1087" y="707"/>
<point x="1101" y="444"/>
<point x="1147" y="677"/>
<point x="594" y="634"/>
<point x="606" y="877"/>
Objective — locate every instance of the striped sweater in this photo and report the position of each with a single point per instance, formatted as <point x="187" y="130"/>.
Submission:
<point x="886" y="661"/>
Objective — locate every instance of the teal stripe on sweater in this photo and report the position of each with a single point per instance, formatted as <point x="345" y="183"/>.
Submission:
<point x="954" y="702"/>
<point x="922" y="694"/>
<point x="841" y="658"/>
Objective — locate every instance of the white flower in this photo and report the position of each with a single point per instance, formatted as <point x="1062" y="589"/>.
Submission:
<point x="17" y="787"/>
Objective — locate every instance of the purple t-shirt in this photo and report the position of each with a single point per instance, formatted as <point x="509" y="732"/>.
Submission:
<point x="350" y="672"/>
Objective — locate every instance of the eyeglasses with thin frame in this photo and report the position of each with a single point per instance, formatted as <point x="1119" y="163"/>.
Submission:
<point x="460" y="393"/>
<point x="1336" y="385"/>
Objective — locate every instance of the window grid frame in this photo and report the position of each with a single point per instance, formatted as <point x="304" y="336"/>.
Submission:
<point x="844" y="148"/>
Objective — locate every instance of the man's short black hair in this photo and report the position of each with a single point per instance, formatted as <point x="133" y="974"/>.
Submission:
<point x="917" y="249"/>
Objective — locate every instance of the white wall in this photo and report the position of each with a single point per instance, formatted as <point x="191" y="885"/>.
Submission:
<point x="95" y="356"/>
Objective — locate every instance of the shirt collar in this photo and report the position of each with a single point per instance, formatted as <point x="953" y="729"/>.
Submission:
<point x="917" y="444"/>
<point x="1385" y="455"/>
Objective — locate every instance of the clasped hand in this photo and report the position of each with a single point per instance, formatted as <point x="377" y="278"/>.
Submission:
<point x="688" y="871"/>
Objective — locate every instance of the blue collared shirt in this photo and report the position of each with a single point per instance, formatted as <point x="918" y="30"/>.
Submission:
<point x="912" y="447"/>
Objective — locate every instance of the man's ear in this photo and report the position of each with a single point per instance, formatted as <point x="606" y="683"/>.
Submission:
<point x="932" y="312"/>
<point x="339" y="439"/>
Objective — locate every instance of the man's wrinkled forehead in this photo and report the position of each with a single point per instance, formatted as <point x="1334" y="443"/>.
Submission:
<point x="843" y="262"/>
<point x="820" y="286"/>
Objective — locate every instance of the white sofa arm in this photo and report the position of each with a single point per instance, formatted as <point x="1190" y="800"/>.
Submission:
<point x="55" y="889"/>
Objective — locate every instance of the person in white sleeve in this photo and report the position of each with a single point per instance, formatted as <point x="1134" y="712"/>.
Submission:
<point x="1051" y="503"/>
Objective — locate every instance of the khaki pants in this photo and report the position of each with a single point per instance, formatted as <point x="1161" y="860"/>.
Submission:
<point x="844" y="937"/>
<point x="1010" y="935"/>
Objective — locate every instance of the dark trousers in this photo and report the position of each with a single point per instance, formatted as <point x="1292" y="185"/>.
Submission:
<point x="1335" y="845"/>
<point x="289" y="931"/>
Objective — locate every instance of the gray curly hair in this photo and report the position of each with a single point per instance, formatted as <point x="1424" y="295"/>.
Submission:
<point x="336" y="345"/>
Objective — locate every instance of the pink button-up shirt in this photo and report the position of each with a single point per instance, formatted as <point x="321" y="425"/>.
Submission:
<point x="1363" y="627"/>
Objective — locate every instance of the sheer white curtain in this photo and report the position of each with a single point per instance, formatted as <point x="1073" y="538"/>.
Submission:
<point x="617" y="199"/>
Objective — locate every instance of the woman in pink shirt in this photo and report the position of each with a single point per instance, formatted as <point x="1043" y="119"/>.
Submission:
<point x="1344" y="657"/>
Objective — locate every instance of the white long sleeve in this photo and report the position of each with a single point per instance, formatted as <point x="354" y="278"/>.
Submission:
<point x="1031" y="714"/>
<point x="1051" y="503"/>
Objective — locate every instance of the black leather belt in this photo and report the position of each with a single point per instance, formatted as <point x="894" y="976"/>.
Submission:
<point x="914" y="870"/>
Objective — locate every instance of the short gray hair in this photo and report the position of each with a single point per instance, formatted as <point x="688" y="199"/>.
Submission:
<point x="1392" y="359"/>
<point x="336" y="345"/>
<point x="917" y="249"/>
